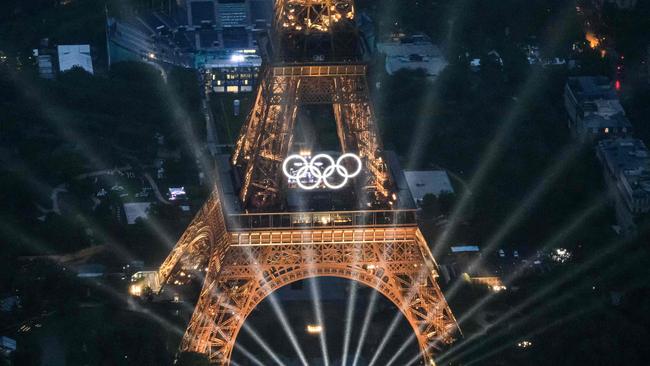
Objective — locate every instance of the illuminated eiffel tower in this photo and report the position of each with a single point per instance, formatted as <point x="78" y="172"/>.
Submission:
<point x="247" y="243"/>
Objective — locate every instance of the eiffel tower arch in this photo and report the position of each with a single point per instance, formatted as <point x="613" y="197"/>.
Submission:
<point x="246" y="241"/>
<point x="381" y="249"/>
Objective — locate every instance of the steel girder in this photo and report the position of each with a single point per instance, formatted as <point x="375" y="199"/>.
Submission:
<point x="394" y="261"/>
<point x="304" y="29"/>
<point x="205" y="236"/>
<point x="245" y="266"/>
<point x="266" y="137"/>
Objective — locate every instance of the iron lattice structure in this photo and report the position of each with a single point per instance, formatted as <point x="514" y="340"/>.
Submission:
<point x="266" y="137"/>
<point x="246" y="265"/>
<point x="241" y="264"/>
<point x="315" y="30"/>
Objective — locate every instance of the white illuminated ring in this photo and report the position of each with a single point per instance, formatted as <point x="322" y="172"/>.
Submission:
<point x="330" y="170"/>
<point x="285" y="166"/>
<point x="341" y="169"/>
<point x="315" y="169"/>
<point x="320" y="168"/>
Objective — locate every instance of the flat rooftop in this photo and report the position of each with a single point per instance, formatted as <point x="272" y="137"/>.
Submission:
<point x="600" y="122"/>
<point x="587" y="88"/>
<point x="422" y="182"/>
<point x="77" y="55"/>
<point x="628" y="160"/>
<point x="414" y="52"/>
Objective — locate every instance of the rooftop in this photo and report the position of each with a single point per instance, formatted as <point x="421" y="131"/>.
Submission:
<point x="629" y="159"/>
<point x="422" y="182"/>
<point x="600" y="122"/>
<point x="414" y="52"/>
<point x="77" y="55"/>
<point x="589" y="88"/>
<point x="465" y="248"/>
<point x="604" y="107"/>
<point x="194" y="27"/>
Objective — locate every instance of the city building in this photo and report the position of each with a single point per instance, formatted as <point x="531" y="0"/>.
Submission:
<point x="230" y="71"/>
<point x="601" y="119"/>
<point x="232" y="64"/>
<point x="423" y="182"/>
<point x="464" y="261"/>
<point x="71" y="56"/>
<point x="51" y="59"/>
<point x="626" y="165"/>
<point x="216" y="37"/>
<point x="412" y="53"/>
<point x="46" y="58"/>
<point x="129" y="41"/>
<point x="594" y="109"/>
<point x="7" y="346"/>
<point x="620" y="4"/>
<point x="45" y="66"/>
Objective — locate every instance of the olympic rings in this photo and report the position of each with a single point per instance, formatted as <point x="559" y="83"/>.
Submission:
<point x="314" y="169"/>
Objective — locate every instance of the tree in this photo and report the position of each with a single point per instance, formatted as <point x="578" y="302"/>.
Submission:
<point x="434" y="206"/>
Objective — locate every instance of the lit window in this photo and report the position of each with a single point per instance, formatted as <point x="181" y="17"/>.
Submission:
<point x="232" y="88"/>
<point x="606" y="129"/>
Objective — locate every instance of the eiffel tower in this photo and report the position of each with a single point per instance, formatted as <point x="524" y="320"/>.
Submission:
<point x="248" y="240"/>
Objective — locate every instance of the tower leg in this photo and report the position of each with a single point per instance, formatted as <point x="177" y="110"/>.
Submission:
<point x="389" y="261"/>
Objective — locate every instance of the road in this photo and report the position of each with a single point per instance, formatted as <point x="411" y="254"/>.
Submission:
<point x="212" y="139"/>
<point x="156" y="191"/>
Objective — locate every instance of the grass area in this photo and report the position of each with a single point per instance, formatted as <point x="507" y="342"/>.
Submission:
<point x="228" y="125"/>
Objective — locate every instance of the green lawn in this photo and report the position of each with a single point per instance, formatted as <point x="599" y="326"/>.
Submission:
<point x="227" y="124"/>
